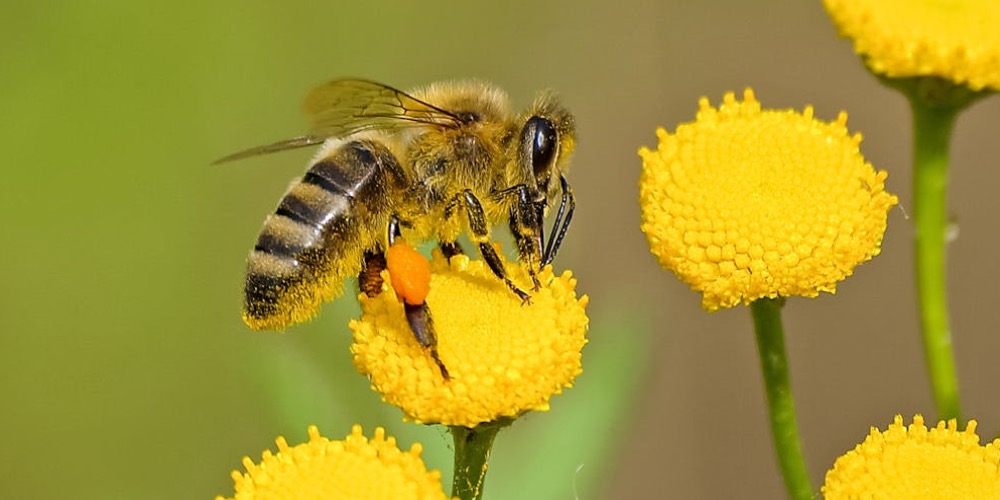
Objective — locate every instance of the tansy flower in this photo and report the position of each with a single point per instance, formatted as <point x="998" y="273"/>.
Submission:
<point x="356" y="468"/>
<point x="914" y="462"/>
<point x="747" y="203"/>
<point x="956" y="40"/>
<point x="503" y="357"/>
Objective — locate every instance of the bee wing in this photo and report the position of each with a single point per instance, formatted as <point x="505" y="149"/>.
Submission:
<point x="344" y="107"/>
<point x="295" y="142"/>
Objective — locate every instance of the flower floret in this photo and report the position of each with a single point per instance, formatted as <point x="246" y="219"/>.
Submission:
<point x="746" y="203"/>
<point x="353" y="468"/>
<point x="956" y="40"/>
<point x="503" y="357"/>
<point x="916" y="462"/>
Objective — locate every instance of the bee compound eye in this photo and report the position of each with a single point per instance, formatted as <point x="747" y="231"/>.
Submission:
<point x="543" y="139"/>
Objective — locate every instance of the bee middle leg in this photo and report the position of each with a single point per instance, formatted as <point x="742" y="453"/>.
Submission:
<point x="481" y="236"/>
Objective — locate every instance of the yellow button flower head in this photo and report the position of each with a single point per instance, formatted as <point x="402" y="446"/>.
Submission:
<point x="503" y="358"/>
<point x="356" y="468"/>
<point x="744" y="203"/>
<point x="915" y="463"/>
<point x="957" y="40"/>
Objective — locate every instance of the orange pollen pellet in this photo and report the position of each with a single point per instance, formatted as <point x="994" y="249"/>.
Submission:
<point x="410" y="272"/>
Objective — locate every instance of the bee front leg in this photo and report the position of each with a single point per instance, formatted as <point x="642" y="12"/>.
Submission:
<point x="559" y="227"/>
<point x="481" y="235"/>
<point x="526" y="226"/>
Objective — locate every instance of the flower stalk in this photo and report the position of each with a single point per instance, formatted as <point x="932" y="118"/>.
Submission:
<point x="780" y="402"/>
<point x="472" y="454"/>
<point x="936" y="104"/>
<point x="932" y="127"/>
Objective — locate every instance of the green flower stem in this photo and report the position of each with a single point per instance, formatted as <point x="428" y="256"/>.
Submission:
<point x="781" y="404"/>
<point x="932" y="132"/>
<point x="472" y="455"/>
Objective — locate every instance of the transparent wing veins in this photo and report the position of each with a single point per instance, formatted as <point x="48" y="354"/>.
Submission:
<point x="344" y="107"/>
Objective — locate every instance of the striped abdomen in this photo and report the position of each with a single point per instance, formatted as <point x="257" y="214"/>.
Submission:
<point x="318" y="234"/>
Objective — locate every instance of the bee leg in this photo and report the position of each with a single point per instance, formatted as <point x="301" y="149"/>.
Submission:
<point x="370" y="278"/>
<point x="566" y="207"/>
<point x="481" y="235"/>
<point x="526" y="226"/>
<point x="422" y="326"/>
<point x="418" y="316"/>
<point x="393" y="231"/>
<point x="451" y="249"/>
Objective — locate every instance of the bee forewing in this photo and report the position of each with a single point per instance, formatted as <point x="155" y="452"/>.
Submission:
<point x="342" y="107"/>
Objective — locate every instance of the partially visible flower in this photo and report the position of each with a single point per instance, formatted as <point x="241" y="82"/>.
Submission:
<point x="956" y="40"/>
<point x="747" y="203"/>
<point x="503" y="357"/>
<point x="914" y="462"/>
<point x="353" y="469"/>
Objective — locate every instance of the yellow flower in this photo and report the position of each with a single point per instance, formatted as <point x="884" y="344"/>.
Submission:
<point x="744" y="203"/>
<point x="503" y="357"/>
<point x="356" y="468"/>
<point x="957" y="40"/>
<point x="915" y="463"/>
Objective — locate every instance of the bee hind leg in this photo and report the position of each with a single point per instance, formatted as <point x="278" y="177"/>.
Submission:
<point x="451" y="249"/>
<point x="419" y="318"/>
<point x="370" y="278"/>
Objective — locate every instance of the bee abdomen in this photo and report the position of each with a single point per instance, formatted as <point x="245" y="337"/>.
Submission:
<point x="317" y="235"/>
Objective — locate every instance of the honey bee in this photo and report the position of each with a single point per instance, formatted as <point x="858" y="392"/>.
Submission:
<point x="431" y="164"/>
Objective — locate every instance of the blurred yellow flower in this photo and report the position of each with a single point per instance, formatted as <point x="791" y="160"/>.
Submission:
<point x="503" y="357"/>
<point x="957" y="40"/>
<point x="353" y="469"/>
<point x="744" y="203"/>
<point x="915" y="463"/>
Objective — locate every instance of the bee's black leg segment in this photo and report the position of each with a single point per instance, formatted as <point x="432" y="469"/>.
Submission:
<point x="566" y="207"/>
<point x="393" y="231"/>
<point x="370" y="278"/>
<point x="422" y="326"/>
<point x="493" y="260"/>
<point x="527" y="250"/>
<point x="540" y="214"/>
<point x="481" y="234"/>
<point x="451" y="249"/>
<point x="526" y="226"/>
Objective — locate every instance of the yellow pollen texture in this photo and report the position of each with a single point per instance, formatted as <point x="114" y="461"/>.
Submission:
<point x="958" y="40"/>
<point x="356" y="468"/>
<point x="747" y="203"/>
<point x="917" y="463"/>
<point x="504" y="357"/>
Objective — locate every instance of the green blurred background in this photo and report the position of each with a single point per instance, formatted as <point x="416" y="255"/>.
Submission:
<point x="126" y="372"/>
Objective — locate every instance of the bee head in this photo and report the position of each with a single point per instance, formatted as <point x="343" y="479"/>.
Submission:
<point x="547" y="139"/>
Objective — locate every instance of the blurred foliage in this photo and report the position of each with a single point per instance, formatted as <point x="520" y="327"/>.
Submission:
<point x="127" y="372"/>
